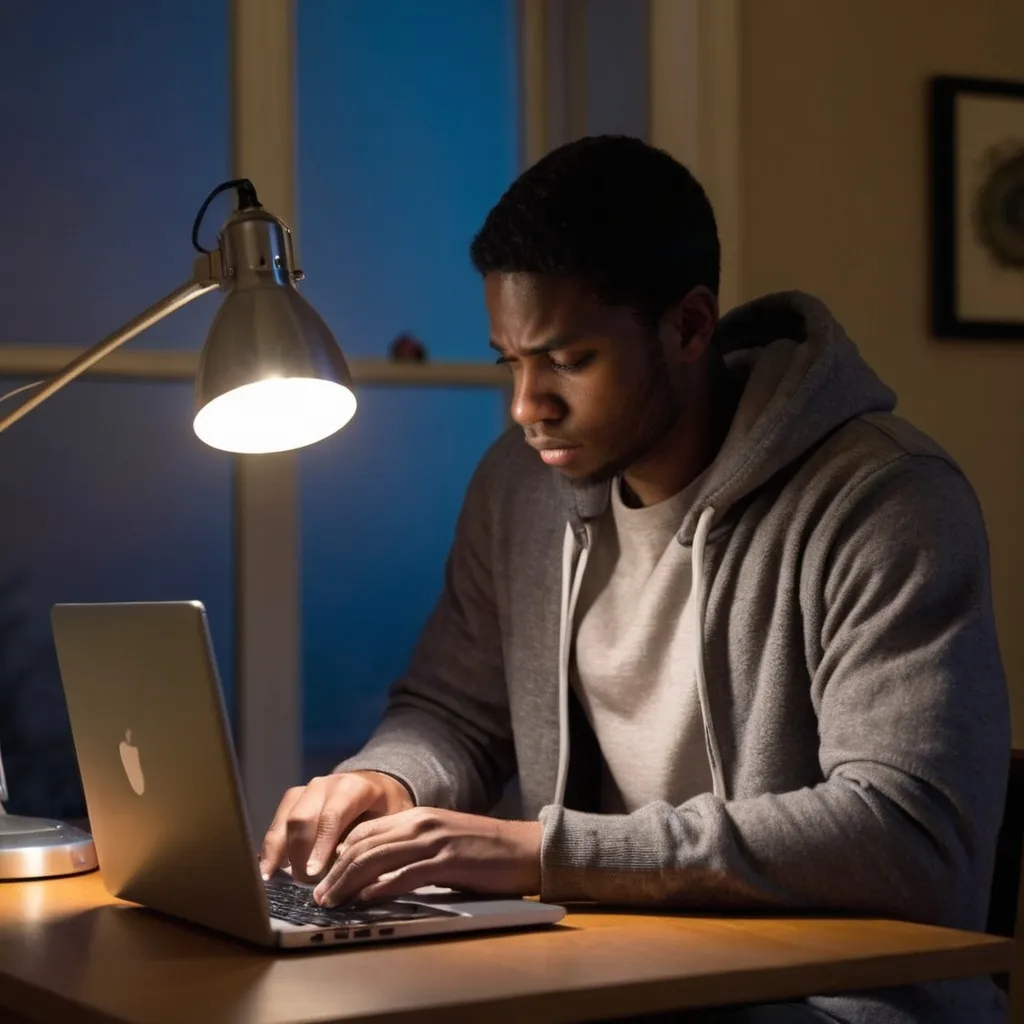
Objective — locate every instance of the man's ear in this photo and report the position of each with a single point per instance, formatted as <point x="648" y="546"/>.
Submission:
<point x="687" y="327"/>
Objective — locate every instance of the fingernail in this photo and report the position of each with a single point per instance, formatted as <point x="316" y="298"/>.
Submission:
<point x="265" y="876"/>
<point x="312" y="867"/>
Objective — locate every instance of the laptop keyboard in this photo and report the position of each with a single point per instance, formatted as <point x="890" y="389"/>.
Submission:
<point x="295" y="904"/>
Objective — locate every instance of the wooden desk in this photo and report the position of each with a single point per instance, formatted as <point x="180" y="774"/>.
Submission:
<point x="68" y="952"/>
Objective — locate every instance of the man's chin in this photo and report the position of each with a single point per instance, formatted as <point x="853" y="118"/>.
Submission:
<point x="578" y="469"/>
<point x="594" y="473"/>
<point x="601" y="475"/>
<point x="588" y="473"/>
<point x="584" y="467"/>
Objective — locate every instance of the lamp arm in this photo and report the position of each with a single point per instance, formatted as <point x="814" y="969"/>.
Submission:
<point x="205" y="279"/>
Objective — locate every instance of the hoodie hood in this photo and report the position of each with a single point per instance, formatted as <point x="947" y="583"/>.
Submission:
<point x="801" y="378"/>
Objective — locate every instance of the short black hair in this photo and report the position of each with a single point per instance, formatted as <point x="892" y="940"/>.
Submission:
<point x="629" y="220"/>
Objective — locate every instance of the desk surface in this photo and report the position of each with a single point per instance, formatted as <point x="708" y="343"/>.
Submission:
<point x="69" y="952"/>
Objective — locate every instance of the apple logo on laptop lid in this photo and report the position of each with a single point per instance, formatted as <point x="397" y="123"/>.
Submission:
<point x="132" y="765"/>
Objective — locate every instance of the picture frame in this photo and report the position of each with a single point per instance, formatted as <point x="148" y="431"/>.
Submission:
<point x="977" y="179"/>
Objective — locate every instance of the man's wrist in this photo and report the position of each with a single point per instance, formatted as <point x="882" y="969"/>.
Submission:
<point x="398" y="795"/>
<point x="526" y="838"/>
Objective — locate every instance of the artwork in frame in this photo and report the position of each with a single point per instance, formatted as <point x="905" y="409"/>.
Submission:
<point x="977" y="208"/>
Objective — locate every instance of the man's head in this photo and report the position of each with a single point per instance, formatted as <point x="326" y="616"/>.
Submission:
<point x="600" y="268"/>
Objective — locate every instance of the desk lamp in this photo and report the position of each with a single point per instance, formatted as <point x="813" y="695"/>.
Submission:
<point x="271" y="378"/>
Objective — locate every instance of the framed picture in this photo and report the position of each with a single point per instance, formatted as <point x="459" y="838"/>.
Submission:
<point x="977" y="208"/>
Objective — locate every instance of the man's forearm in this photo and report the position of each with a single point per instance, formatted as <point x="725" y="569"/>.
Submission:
<point x="841" y="845"/>
<point x="434" y="762"/>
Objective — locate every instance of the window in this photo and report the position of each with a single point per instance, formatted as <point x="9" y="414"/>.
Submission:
<point x="113" y="130"/>
<point x="408" y="133"/>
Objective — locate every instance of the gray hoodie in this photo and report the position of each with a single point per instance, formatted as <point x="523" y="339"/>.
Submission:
<point x="855" y="709"/>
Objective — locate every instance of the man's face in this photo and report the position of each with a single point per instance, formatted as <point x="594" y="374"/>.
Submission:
<point x="592" y="388"/>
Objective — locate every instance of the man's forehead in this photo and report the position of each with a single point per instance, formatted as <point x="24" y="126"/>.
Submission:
<point x="536" y="302"/>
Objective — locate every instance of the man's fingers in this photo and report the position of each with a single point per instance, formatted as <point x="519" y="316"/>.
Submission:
<point x="373" y="832"/>
<point x="435" y="871"/>
<point x="361" y="839"/>
<point x="349" y="853"/>
<point x="273" y="853"/>
<point x="363" y="864"/>
<point x="348" y="796"/>
<point x="311" y="819"/>
<point x="301" y="824"/>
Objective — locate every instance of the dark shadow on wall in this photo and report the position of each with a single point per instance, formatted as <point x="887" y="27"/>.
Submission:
<point x="35" y="735"/>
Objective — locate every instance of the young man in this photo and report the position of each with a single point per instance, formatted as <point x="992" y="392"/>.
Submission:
<point x="723" y="613"/>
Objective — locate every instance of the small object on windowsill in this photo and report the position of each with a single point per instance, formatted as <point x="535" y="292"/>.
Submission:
<point x="407" y="348"/>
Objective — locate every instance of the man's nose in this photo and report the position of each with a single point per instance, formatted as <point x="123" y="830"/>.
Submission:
<point x="532" y="401"/>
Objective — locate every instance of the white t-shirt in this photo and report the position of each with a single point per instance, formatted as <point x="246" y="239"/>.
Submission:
<point x="633" y="663"/>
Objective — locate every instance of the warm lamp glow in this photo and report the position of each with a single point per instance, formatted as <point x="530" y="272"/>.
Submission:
<point x="275" y="415"/>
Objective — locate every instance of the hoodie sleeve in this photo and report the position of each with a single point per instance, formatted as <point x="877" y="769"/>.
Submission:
<point x="446" y="733"/>
<point x="914" y="740"/>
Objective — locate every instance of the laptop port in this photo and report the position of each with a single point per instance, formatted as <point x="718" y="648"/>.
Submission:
<point x="361" y="933"/>
<point x="318" y="937"/>
<point x="341" y="935"/>
<point x="385" y="931"/>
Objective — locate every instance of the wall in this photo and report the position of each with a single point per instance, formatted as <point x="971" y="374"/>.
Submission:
<point x="835" y="202"/>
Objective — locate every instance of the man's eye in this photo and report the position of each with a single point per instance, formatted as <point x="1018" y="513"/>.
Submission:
<point x="577" y="364"/>
<point x="501" y="361"/>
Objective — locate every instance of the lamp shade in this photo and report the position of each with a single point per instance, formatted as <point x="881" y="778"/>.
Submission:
<point x="271" y="376"/>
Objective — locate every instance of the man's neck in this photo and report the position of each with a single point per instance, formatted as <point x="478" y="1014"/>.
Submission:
<point x="689" y="447"/>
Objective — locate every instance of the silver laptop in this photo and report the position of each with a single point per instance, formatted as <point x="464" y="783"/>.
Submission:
<point x="164" y="800"/>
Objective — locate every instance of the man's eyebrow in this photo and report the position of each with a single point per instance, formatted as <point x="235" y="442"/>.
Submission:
<point x="551" y="345"/>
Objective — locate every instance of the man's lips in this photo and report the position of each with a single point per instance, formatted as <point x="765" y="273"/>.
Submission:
<point x="555" y="453"/>
<point x="558" y="456"/>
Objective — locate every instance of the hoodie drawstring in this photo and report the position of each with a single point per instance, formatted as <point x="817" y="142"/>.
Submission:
<point x="571" y="582"/>
<point x="700" y="539"/>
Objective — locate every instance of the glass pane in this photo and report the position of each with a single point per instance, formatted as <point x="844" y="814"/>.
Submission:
<point x="107" y="496"/>
<point x="379" y="504"/>
<point x="113" y="126"/>
<point x="407" y="136"/>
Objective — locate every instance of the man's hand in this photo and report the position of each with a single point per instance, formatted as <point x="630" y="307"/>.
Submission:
<point x="426" y="846"/>
<point x="312" y="819"/>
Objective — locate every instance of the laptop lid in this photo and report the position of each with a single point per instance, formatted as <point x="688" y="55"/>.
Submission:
<point x="157" y="763"/>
